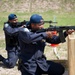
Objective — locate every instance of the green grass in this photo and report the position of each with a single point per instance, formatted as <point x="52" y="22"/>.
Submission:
<point x="61" y="18"/>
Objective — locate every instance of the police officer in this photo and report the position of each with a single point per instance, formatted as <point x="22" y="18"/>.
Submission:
<point x="32" y="44"/>
<point x="11" y="28"/>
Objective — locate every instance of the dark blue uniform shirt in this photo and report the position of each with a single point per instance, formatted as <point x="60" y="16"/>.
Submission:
<point x="11" y="35"/>
<point x="32" y="48"/>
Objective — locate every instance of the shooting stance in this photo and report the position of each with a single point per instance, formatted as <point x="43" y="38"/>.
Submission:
<point x="32" y="44"/>
<point x="11" y="28"/>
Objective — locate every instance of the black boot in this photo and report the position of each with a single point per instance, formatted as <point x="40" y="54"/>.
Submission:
<point x="1" y="58"/>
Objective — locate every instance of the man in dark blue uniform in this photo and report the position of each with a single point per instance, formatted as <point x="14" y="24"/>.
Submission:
<point x="11" y="28"/>
<point x="32" y="44"/>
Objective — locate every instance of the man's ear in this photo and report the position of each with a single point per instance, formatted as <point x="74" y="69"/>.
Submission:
<point x="9" y="20"/>
<point x="32" y="24"/>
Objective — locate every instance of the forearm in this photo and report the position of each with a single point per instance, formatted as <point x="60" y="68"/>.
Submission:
<point x="29" y="37"/>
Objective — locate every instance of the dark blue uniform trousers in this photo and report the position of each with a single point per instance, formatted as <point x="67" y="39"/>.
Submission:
<point x="54" y="69"/>
<point x="10" y="62"/>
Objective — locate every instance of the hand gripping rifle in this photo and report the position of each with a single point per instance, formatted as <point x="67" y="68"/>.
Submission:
<point x="59" y="29"/>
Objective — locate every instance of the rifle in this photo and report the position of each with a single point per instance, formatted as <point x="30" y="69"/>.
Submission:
<point x="49" y="22"/>
<point x="19" y="24"/>
<point x="59" y="29"/>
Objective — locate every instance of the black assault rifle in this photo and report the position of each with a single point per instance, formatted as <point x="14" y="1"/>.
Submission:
<point x="59" y="29"/>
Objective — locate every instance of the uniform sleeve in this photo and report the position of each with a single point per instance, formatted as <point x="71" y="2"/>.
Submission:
<point x="9" y="30"/>
<point x="29" y="37"/>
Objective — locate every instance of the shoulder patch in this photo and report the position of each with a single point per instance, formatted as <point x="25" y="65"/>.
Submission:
<point x="6" y="25"/>
<point x="26" y="30"/>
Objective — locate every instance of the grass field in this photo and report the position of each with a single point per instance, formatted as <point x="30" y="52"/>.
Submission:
<point x="61" y="18"/>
